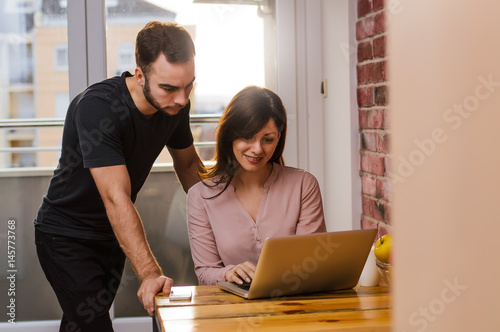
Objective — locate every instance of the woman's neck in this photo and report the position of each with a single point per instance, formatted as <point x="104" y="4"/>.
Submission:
<point x="248" y="180"/>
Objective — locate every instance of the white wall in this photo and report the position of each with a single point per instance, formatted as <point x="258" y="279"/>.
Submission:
<point x="316" y="41"/>
<point x="342" y="188"/>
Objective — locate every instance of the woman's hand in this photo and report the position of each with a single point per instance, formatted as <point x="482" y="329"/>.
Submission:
<point x="241" y="273"/>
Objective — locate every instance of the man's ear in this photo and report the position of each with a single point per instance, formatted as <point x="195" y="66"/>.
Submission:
<point x="139" y="76"/>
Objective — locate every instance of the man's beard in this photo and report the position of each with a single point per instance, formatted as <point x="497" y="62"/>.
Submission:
<point x="149" y="97"/>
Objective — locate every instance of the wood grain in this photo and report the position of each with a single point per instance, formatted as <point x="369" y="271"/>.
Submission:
<point x="211" y="309"/>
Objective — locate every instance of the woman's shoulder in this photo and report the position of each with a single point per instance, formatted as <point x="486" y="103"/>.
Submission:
<point x="206" y="187"/>
<point x="289" y="173"/>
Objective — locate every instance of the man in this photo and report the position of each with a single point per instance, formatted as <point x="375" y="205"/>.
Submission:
<point x="113" y="133"/>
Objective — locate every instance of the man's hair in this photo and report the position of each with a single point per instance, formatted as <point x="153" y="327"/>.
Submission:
<point x="167" y="38"/>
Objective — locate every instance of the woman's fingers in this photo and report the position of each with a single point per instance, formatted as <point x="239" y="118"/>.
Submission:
<point x="243" y="272"/>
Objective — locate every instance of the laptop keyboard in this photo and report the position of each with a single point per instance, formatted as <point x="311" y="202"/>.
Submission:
<point x="245" y="285"/>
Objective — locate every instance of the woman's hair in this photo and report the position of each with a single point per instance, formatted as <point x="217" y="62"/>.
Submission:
<point x="167" y="38"/>
<point x="246" y="114"/>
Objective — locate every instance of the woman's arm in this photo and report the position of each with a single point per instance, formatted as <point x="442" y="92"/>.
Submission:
<point x="311" y="219"/>
<point x="209" y="267"/>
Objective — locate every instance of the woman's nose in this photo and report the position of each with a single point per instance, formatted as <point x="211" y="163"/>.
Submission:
<point x="256" y="146"/>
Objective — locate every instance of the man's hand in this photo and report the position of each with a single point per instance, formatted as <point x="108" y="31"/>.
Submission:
<point x="149" y="288"/>
<point x="241" y="273"/>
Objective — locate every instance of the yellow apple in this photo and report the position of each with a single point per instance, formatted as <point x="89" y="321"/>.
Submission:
<point x="383" y="248"/>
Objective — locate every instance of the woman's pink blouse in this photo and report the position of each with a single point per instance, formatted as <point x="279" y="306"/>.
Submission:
<point x="222" y="233"/>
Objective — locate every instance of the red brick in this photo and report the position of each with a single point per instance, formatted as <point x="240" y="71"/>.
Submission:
<point x="383" y="230"/>
<point x="365" y="205"/>
<point x="361" y="73"/>
<point x="374" y="164"/>
<point x="365" y="97"/>
<point x="379" y="47"/>
<point x="382" y="227"/>
<point x="379" y="23"/>
<point x="365" y="51"/>
<point x="363" y="119"/>
<point x="383" y="189"/>
<point x="368" y="224"/>
<point x="375" y="72"/>
<point x="368" y="185"/>
<point x="369" y="141"/>
<point x="369" y="26"/>
<point x="377" y="210"/>
<point x="373" y="208"/>
<point x="387" y="165"/>
<point x="375" y="119"/>
<point x="380" y="94"/>
<point x="360" y="30"/>
<point x="364" y="7"/>
<point x="386" y="72"/>
<point x="387" y="119"/>
<point x="388" y="214"/>
<point x="378" y="5"/>
<point x="383" y="143"/>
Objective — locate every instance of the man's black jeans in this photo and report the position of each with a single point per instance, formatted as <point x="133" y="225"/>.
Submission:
<point x="85" y="275"/>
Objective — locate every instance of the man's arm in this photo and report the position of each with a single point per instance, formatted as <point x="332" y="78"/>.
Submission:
<point x="187" y="163"/>
<point x="113" y="183"/>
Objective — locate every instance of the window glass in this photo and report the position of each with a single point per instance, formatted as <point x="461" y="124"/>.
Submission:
<point x="33" y="72"/>
<point x="61" y="57"/>
<point x="229" y="41"/>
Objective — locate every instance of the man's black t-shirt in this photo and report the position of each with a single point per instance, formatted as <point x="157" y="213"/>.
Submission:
<point x="103" y="127"/>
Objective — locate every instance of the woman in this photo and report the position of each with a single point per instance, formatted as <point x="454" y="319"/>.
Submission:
<point x="248" y="195"/>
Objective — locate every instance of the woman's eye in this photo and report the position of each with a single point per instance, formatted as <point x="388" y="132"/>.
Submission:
<point x="268" y="140"/>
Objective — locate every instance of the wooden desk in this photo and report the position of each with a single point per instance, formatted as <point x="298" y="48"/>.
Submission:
<point x="211" y="309"/>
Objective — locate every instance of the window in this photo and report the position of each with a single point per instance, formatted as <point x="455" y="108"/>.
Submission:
<point x="20" y="61"/>
<point x="229" y="41"/>
<point x="126" y="58"/>
<point x="33" y="43"/>
<point x="61" y="104"/>
<point x="34" y="89"/>
<point x="61" y="57"/>
<point x="22" y="159"/>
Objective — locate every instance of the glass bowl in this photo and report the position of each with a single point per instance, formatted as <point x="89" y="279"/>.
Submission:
<point x="385" y="271"/>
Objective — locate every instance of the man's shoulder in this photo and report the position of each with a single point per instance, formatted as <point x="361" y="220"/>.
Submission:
<point x="111" y="87"/>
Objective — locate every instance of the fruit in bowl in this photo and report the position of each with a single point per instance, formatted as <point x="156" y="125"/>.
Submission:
<point x="382" y="251"/>
<point x="383" y="248"/>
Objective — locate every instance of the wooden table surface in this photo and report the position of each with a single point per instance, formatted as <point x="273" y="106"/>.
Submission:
<point x="211" y="309"/>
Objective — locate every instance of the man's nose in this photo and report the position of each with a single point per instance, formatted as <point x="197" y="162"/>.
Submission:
<point x="181" y="97"/>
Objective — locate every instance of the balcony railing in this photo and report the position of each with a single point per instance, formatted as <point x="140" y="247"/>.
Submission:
<point x="57" y="122"/>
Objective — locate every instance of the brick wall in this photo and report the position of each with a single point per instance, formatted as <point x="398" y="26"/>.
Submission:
<point x="373" y="115"/>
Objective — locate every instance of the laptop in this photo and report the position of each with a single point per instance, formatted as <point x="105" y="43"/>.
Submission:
<point x="301" y="264"/>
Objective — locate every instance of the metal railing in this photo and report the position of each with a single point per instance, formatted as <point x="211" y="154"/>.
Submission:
<point x="58" y="122"/>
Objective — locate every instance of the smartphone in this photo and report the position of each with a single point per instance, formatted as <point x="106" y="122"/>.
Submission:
<point x="181" y="294"/>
